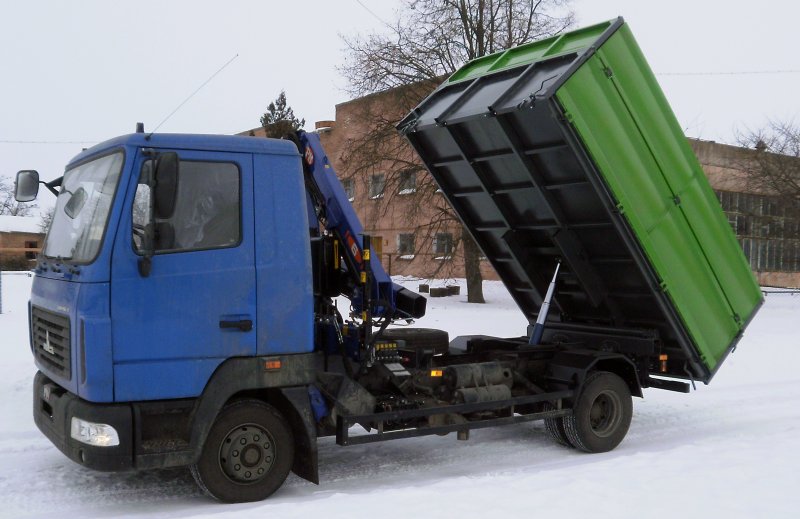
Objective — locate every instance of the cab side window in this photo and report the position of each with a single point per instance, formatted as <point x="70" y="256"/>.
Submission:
<point x="207" y="209"/>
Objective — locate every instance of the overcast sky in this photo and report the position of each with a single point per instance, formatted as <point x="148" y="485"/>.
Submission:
<point x="83" y="71"/>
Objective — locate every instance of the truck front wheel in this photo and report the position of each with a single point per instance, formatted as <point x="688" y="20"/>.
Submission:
<point x="247" y="455"/>
<point x="601" y="415"/>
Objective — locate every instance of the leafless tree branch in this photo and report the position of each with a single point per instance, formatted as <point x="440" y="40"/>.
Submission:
<point x="430" y="40"/>
<point x="774" y="166"/>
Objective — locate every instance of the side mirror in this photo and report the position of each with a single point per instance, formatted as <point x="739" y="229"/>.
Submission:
<point x="76" y="203"/>
<point x="166" y="184"/>
<point x="27" y="186"/>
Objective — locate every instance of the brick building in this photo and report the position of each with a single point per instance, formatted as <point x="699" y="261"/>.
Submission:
<point x="767" y="226"/>
<point x="20" y="241"/>
<point x="394" y="206"/>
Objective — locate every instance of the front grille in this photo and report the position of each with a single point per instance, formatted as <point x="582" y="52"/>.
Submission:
<point x="51" y="341"/>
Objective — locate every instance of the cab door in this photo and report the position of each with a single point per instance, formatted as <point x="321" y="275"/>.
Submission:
<point x="172" y="328"/>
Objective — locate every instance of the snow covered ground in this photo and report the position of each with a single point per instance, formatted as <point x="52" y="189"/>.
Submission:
<point x="731" y="449"/>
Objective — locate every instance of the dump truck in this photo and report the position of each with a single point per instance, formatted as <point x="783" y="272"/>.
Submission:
<point x="183" y="311"/>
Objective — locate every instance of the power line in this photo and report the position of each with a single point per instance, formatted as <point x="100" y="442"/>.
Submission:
<point x="370" y="11"/>
<point x="46" y="142"/>
<point x="730" y="73"/>
<point x="207" y="81"/>
<point x="686" y="74"/>
<point x="156" y="128"/>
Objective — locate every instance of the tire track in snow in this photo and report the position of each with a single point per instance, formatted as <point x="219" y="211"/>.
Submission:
<point x="659" y="424"/>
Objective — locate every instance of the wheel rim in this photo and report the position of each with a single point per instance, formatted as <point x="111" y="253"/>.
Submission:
<point x="247" y="453"/>
<point x="605" y="414"/>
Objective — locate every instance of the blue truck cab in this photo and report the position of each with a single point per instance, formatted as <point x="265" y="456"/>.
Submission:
<point x="226" y="281"/>
<point x="183" y="311"/>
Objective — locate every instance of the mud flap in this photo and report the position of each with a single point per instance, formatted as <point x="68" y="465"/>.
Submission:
<point x="306" y="464"/>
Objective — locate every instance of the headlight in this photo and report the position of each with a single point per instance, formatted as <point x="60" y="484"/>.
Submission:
<point x="98" y="434"/>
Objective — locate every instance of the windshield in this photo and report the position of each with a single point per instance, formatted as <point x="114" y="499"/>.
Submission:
<point x="82" y="209"/>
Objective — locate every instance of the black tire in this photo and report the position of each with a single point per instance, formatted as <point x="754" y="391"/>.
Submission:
<point x="256" y="469"/>
<point x="419" y="338"/>
<point x="555" y="427"/>
<point x="601" y="415"/>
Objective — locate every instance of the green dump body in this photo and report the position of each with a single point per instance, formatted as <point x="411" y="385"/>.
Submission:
<point x="566" y="149"/>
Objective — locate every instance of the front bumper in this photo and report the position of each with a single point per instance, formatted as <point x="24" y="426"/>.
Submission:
<point x="53" y="409"/>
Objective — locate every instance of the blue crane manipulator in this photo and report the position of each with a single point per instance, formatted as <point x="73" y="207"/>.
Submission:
<point x="329" y="208"/>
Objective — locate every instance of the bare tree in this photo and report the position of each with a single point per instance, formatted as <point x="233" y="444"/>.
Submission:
<point x="429" y="40"/>
<point x="774" y="167"/>
<point x="47" y="219"/>
<point x="8" y="205"/>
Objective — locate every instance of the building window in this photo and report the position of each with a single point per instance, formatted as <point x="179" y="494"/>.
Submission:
<point x="443" y="245"/>
<point x="377" y="183"/>
<point x="408" y="183"/>
<point x="405" y="246"/>
<point x="29" y="254"/>
<point x="768" y="229"/>
<point x="349" y="188"/>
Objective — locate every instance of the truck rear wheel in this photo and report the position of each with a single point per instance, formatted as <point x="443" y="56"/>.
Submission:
<point x="247" y="455"/>
<point x="555" y="427"/>
<point x="601" y="415"/>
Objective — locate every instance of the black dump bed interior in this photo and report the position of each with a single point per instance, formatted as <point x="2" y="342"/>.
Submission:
<point x="523" y="184"/>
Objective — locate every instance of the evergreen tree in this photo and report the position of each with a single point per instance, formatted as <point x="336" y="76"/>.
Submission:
<point x="279" y="119"/>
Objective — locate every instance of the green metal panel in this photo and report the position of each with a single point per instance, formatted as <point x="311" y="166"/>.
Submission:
<point x="531" y="52"/>
<point x="566" y="150"/>
<point x="620" y="113"/>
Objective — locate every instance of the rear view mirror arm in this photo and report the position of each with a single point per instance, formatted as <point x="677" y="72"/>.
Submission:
<point x="53" y="184"/>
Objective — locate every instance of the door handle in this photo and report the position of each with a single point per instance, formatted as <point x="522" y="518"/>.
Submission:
<point x="243" y="325"/>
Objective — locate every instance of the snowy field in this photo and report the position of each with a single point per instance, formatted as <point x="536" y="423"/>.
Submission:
<point x="729" y="450"/>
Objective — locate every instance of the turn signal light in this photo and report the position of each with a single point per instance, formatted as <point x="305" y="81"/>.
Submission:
<point x="436" y="373"/>
<point x="663" y="358"/>
<point x="272" y="365"/>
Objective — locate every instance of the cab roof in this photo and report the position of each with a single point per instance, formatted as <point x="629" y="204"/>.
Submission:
<point x="185" y="141"/>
